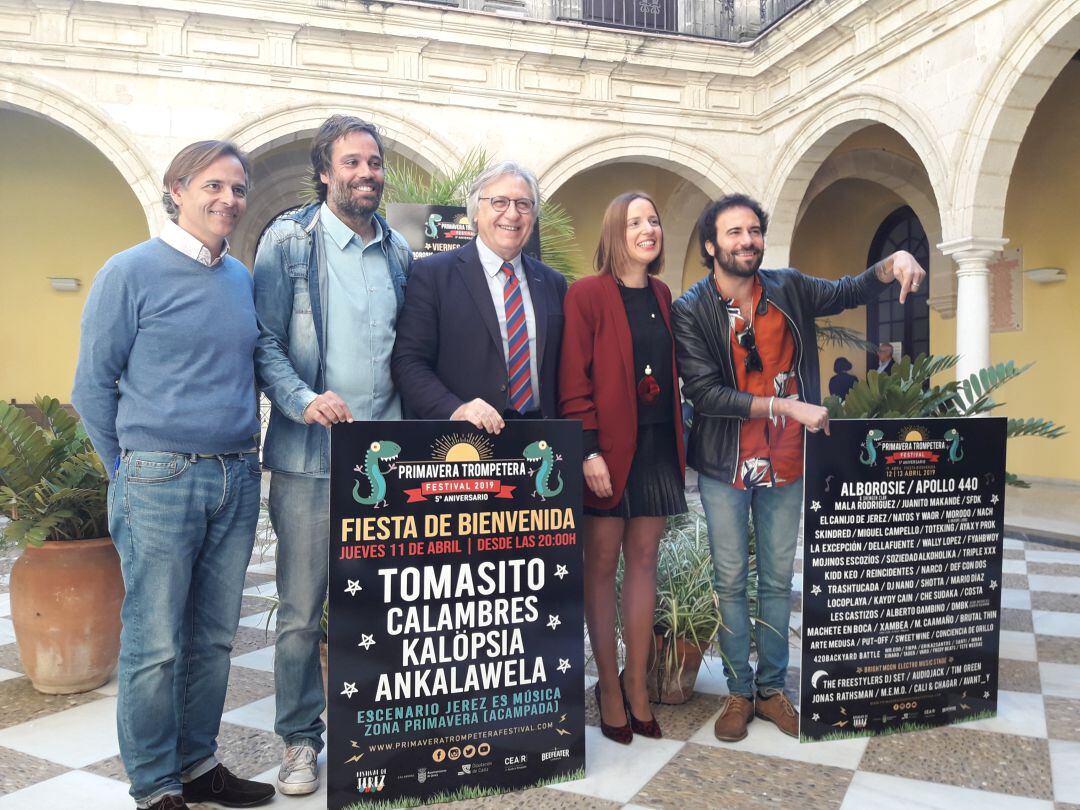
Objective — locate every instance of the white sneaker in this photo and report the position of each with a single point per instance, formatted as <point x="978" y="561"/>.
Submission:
<point x="299" y="773"/>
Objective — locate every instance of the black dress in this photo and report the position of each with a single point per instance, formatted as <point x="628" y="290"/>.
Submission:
<point x="654" y="487"/>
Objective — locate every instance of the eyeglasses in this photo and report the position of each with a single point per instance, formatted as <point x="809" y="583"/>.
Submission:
<point x="752" y="361"/>
<point x="524" y="205"/>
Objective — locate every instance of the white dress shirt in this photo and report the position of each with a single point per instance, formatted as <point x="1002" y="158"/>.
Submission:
<point x="176" y="237"/>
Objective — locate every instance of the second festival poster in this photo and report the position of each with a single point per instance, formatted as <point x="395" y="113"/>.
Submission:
<point x="902" y="566"/>
<point x="455" y="611"/>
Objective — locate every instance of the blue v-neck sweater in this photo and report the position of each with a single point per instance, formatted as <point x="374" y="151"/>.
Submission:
<point x="166" y="355"/>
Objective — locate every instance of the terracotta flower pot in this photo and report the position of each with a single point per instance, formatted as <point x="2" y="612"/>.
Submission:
<point x="65" y="606"/>
<point x="672" y="684"/>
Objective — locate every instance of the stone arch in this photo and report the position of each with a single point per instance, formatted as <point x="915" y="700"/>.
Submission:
<point x="107" y="136"/>
<point x="901" y="175"/>
<point x="692" y="164"/>
<point x="1046" y="42"/>
<point x="680" y="220"/>
<point x="278" y="180"/>
<point x="814" y="141"/>
<point x="909" y="181"/>
<point x="414" y="142"/>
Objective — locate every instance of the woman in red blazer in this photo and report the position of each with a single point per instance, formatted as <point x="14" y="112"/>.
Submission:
<point x="617" y="375"/>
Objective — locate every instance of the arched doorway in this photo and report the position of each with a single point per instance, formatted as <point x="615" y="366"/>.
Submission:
<point x="69" y="208"/>
<point x="585" y="197"/>
<point x="906" y="326"/>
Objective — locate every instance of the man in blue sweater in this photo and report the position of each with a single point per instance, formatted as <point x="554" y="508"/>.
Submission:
<point x="329" y="283"/>
<point x="165" y="387"/>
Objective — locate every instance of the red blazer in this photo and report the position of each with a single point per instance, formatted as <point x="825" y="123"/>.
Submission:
<point x="596" y="375"/>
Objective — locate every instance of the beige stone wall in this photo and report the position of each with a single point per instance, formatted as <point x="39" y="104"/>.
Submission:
<point x="1041" y="219"/>
<point x="926" y="100"/>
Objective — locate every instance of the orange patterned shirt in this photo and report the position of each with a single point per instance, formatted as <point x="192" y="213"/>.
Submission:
<point x="770" y="450"/>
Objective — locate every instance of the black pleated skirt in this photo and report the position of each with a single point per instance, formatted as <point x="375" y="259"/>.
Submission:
<point x="654" y="487"/>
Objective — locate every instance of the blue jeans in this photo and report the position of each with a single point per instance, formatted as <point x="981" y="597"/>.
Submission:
<point x="300" y="514"/>
<point x="183" y="527"/>
<point x="776" y="512"/>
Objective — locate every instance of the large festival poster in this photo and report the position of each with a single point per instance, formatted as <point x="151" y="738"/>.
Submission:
<point x="902" y="568"/>
<point x="456" y="650"/>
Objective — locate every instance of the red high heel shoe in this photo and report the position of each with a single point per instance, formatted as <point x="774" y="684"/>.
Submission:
<point x="646" y="728"/>
<point x="624" y="734"/>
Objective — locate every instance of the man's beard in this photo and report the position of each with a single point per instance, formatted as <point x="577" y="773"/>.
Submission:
<point x="342" y="197"/>
<point x="728" y="264"/>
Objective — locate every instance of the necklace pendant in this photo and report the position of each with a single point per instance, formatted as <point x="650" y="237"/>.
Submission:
<point x="648" y="390"/>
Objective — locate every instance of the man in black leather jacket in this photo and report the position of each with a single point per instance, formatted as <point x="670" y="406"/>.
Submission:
<point x="747" y="354"/>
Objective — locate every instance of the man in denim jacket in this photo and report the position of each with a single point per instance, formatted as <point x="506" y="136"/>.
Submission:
<point x="329" y="283"/>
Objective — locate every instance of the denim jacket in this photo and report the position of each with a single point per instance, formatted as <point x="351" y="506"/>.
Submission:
<point x="290" y="356"/>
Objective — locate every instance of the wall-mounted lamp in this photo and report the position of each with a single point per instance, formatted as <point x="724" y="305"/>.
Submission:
<point x="65" y="284"/>
<point x="1045" y="275"/>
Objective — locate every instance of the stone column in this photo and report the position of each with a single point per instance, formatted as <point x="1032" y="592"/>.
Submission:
<point x="972" y="255"/>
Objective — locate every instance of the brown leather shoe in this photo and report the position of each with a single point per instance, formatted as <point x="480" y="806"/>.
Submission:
<point x="778" y="709"/>
<point x="736" y="713"/>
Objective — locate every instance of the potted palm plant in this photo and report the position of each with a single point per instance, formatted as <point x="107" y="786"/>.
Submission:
<point x="907" y="392"/>
<point x="66" y="586"/>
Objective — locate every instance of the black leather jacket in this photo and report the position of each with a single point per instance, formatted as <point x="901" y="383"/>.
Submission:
<point x="703" y="346"/>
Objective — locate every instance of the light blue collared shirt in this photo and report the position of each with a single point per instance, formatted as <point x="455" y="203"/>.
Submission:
<point x="361" y="316"/>
<point x="496" y="280"/>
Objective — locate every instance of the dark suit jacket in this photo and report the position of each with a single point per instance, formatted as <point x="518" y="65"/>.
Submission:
<point x="448" y="348"/>
<point x="596" y="376"/>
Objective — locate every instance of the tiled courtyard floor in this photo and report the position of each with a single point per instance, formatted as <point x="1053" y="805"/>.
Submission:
<point x="61" y="751"/>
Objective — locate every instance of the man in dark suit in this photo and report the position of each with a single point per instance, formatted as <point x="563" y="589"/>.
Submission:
<point x="885" y="358"/>
<point x="479" y="336"/>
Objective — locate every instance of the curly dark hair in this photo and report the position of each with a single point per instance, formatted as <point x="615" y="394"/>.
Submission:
<point x="706" y="224"/>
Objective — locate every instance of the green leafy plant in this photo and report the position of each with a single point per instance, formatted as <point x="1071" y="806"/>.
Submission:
<point x="407" y="183"/>
<point x="686" y="604"/>
<point x="829" y="334"/>
<point x="907" y="393"/>
<point x="52" y="483"/>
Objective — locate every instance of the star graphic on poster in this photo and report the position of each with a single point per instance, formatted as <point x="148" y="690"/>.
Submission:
<point x="349" y="690"/>
<point x="564" y="664"/>
<point x="816" y="717"/>
<point x="994" y="498"/>
<point x="993" y="584"/>
<point x="367" y="640"/>
<point x="354" y="586"/>
<point x="560" y="571"/>
<point x="553" y="620"/>
<point x="986" y="695"/>
<point x="816" y="505"/>
<point x="815" y="589"/>
<point x="558" y="457"/>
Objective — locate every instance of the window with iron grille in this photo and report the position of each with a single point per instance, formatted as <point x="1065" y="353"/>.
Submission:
<point x="887" y="320"/>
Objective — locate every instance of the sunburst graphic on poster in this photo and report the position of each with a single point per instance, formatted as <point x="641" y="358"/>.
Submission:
<point x="461" y="447"/>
